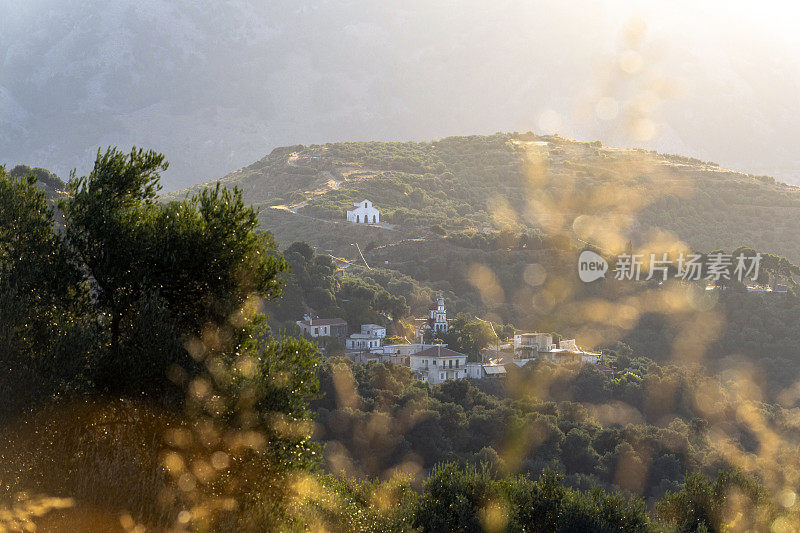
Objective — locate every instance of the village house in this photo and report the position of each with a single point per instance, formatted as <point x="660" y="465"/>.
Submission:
<point x="774" y="289"/>
<point x="562" y="355"/>
<point x="566" y="351"/>
<point x="370" y="339"/>
<point x="399" y="354"/>
<point x="568" y="344"/>
<point x="364" y="213"/>
<point x="485" y="370"/>
<point x="362" y="342"/>
<point x="491" y="354"/>
<point x="323" y="327"/>
<point x="438" y="364"/>
<point x="405" y="349"/>
<point x="366" y="357"/>
<point x="532" y="342"/>
<point x="374" y="329"/>
<point x="434" y="363"/>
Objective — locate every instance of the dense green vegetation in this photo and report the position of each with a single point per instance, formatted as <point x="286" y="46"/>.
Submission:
<point x="469" y="335"/>
<point x="52" y="184"/>
<point x="451" y="270"/>
<point x="535" y="289"/>
<point x="543" y="416"/>
<point x="426" y="184"/>
<point x="760" y="328"/>
<point x="521" y="181"/>
<point x="43" y="323"/>
<point x="131" y="338"/>
<point x="513" y="203"/>
<point x="316" y="286"/>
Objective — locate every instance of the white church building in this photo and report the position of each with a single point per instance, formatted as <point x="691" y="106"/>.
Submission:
<point x="437" y="317"/>
<point x="364" y="213"/>
<point x="436" y="322"/>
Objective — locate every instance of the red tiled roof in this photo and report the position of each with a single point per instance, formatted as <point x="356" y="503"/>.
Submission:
<point x="439" y="351"/>
<point x="324" y="322"/>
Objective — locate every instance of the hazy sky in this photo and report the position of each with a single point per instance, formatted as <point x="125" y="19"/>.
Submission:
<point x="216" y="85"/>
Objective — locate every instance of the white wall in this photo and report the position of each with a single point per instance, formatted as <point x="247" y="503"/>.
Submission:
<point x="541" y="341"/>
<point x="374" y="330"/>
<point x="358" y="342"/>
<point x="364" y="215"/>
<point x="438" y="369"/>
<point x="405" y="349"/>
<point x="475" y="370"/>
<point x="314" y="331"/>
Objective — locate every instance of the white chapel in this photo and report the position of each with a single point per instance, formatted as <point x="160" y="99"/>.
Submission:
<point x="363" y="213"/>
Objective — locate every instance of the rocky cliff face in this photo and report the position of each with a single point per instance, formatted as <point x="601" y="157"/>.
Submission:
<point x="215" y="85"/>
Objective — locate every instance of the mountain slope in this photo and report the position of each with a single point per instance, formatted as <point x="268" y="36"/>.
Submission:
<point x="521" y="183"/>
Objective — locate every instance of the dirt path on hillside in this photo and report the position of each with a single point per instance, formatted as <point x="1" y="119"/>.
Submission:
<point x="293" y="210"/>
<point x="333" y="183"/>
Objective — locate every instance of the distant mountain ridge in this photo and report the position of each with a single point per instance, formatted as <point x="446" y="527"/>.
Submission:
<point x="53" y="186"/>
<point x="211" y="84"/>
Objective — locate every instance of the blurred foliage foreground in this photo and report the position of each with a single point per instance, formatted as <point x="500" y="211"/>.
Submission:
<point x="141" y="390"/>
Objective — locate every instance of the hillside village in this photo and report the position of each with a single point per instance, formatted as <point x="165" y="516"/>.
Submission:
<point x="506" y="332"/>
<point x="432" y="361"/>
<point x="442" y="312"/>
<point x="427" y="355"/>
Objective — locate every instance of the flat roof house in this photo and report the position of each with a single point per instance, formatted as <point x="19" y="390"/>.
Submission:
<point x="532" y="341"/>
<point x="362" y="342"/>
<point x="323" y="327"/>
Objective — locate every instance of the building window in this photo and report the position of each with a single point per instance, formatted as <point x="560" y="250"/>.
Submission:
<point x="316" y="331"/>
<point x="365" y="204"/>
<point x="441" y="376"/>
<point x="457" y="361"/>
<point x="451" y="363"/>
<point x="358" y="219"/>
